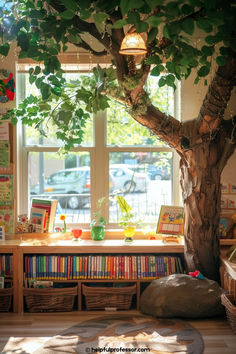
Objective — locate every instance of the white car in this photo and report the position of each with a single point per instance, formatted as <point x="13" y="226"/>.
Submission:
<point x="127" y="180"/>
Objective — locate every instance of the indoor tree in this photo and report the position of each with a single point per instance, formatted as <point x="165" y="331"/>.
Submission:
<point x="43" y="29"/>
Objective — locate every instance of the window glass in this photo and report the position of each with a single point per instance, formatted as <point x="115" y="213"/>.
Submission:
<point x="144" y="179"/>
<point x="32" y="136"/>
<point x="66" y="179"/>
<point x="123" y="130"/>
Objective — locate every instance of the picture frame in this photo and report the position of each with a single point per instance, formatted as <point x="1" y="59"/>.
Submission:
<point x="225" y="224"/>
<point x="171" y="220"/>
<point x="38" y="219"/>
<point x="2" y="233"/>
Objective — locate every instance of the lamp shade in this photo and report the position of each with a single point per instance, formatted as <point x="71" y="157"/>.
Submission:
<point x="133" y="44"/>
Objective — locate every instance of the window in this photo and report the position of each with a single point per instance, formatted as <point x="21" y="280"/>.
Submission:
<point x="118" y="156"/>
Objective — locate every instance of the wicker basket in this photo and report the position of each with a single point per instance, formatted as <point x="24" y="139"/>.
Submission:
<point x="50" y="300"/>
<point x="228" y="301"/>
<point x="99" y="298"/>
<point x="5" y="299"/>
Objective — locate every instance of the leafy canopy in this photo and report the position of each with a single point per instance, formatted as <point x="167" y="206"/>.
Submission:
<point x="181" y="35"/>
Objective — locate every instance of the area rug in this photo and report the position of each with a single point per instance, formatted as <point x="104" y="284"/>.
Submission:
<point x="126" y="334"/>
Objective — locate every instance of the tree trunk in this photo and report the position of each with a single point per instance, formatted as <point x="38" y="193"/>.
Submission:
<point x="201" y="188"/>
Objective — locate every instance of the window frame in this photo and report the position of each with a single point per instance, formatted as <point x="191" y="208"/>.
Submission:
<point x="99" y="161"/>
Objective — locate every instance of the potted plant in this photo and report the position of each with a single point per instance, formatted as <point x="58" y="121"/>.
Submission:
<point x="127" y="219"/>
<point x="98" y="223"/>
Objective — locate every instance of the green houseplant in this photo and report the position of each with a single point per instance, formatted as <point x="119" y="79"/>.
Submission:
<point x="127" y="219"/>
<point x="98" y="223"/>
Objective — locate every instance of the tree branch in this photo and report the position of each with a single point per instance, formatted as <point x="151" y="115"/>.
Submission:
<point x="217" y="97"/>
<point x="87" y="47"/>
<point x="166" y="127"/>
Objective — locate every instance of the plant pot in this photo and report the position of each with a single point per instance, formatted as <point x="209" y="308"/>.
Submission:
<point x="129" y="232"/>
<point x="97" y="233"/>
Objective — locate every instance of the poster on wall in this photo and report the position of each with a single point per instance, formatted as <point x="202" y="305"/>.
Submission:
<point x="171" y="220"/>
<point x="7" y="86"/>
<point x="6" y="190"/>
<point x="4" y="154"/>
<point x="7" y="220"/>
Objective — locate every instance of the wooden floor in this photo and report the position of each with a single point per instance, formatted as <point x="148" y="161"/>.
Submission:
<point x="24" y="333"/>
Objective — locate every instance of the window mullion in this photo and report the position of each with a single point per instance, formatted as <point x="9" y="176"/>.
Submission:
<point x="100" y="165"/>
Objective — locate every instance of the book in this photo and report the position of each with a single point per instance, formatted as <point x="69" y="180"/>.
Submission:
<point x="38" y="219"/>
<point x="50" y="206"/>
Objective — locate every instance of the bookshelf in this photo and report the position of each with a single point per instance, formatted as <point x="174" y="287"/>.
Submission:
<point x="86" y="248"/>
<point x="11" y="250"/>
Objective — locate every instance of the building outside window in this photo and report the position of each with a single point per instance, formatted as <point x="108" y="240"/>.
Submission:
<point x="117" y="157"/>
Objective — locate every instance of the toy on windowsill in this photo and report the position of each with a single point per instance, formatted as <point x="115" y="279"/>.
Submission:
<point x="166" y="239"/>
<point x="23" y="225"/>
<point x="197" y="274"/>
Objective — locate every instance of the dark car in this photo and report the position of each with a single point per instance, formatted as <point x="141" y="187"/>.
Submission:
<point x="158" y="172"/>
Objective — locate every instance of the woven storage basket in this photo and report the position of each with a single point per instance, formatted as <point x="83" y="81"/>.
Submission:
<point x="99" y="298"/>
<point x="5" y="299"/>
<point x="230" y="306"/>
<point x="50" y="300"/>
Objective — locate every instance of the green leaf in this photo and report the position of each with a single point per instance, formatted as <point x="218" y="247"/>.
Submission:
<point x="23" y="40"/>
<point x="37" y="70"/>
<point x="154" y="59"/>
<point x="124" y="206"/>
<point x="133" y="17"/>
<point x="69" y="4"/>
<point x="187" y="9"/>
<point x="67" y="15"/>
<point x="162" y="81"/>
<point x="141" y="27"/>
<point x="152" y="35"/>
<point x="188" y="26"/>
<point x="155" y="20"/>
<point x="32" y="79"/>
<point x="74" y="38"/>
<point x="204" y="24"/>
<point x="154" y="3"/>
<point x="220" y="60"/>
<point x="208" y="51"/>
<point x="99" y="20"/>
<point x="44" y="107"/>
<point x="210" y="40"/>
<point x="119" y="24"/>
<point x="45" y="90"/>
<point x="203" y="71"/>
<point x="166" y="32"/>
<point x="4" y="49"/>
<point x="126" y="5"/>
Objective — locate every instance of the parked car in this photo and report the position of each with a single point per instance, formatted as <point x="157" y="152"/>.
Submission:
<point x="127" y="180"/>
<point x="73" y="181"/>
<point x="158" y="172"/>
<point x="154" y="172"/>
<point x="70" y="186"/>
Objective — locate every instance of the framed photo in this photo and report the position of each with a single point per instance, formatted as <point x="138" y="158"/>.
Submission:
<point x="2" y="233"/>
<point x="171" y="220"/>
<point x="225" y="188"/>
<point x="225" y="225"/>
<point x="233" y="188"/>
<point x="38" y="219"/>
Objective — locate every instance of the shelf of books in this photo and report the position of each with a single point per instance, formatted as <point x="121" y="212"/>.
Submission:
<point x="8" y="279"/>
<point x="51" y="271"/>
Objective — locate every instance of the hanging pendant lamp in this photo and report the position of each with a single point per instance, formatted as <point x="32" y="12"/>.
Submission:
<point x="133" y="44"/>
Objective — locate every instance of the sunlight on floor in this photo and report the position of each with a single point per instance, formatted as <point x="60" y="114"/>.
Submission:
<point x="24" y="344"/>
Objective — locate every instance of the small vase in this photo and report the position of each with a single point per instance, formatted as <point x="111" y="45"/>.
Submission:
<point x="129" y="232"/>
<point x="64" y="227"/>
<point x="97" y="233"/>
<point x="76" y="233"/>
